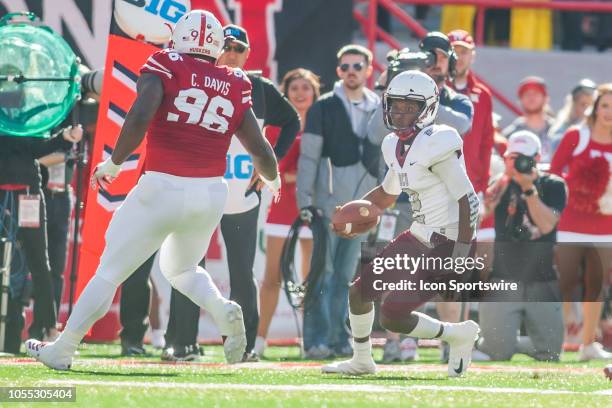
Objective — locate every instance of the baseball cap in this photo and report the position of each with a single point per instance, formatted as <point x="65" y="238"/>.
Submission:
<point x="461" y="37"/>
<point x="236" y="34"/>
<point x="435" y="40"/>
<point x="585" y="85"/>
<point x="532" y="82"/>
<point x="524" y="142"/>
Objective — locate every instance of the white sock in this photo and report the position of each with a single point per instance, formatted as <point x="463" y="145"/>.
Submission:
<point x="93" y="303"/>
<point x="200" y="288"/>
<point x="427" y="327"/>
<point x="361" y="327"/>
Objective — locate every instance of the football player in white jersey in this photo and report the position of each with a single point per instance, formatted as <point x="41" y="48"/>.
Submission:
<point x="425" y="161"/>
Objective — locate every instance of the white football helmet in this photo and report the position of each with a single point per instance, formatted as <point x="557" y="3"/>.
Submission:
<point x="415" y="86"/>
<point x="198" y="32"/>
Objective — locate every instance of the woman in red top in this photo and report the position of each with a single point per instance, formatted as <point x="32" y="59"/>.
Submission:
<point x="584" y="158"/>
<point x="301" y="87"/>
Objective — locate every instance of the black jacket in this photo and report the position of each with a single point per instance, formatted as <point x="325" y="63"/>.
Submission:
<point x="18" y="158"/>
<point x="275" y="110"/>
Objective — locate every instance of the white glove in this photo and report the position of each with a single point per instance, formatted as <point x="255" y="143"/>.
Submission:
<point x="105" y="173"/>
<point x="274" y="185"/>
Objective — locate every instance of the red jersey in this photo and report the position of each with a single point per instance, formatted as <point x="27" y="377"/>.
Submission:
<point x="585" y="165"/>
<point x="202" y="107"/>
<point x="478" y="142"/>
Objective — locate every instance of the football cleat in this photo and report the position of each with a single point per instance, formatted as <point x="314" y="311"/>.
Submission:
<point x="234" y="342"/>
<point x="45" y="353"/>
<point x="461" y="338"/>
<point x="350" y="367"/>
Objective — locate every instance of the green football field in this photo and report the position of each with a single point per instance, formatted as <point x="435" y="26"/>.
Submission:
<point x="103" y="379"/>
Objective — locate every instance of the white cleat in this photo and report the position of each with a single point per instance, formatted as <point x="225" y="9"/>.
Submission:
<point x="235" y="341"/>
<point x="593" y="351"/>
<point x="350" y="367"/>
<point x="461" y="341"/>
<point x="45" y="353"/>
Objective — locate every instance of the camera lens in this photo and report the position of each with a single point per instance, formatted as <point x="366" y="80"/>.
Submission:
<point x="524" y="164"/>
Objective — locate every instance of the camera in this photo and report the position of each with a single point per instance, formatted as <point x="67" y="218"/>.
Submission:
<point x="91" y="82"/>
<point x="405" y="60"/>
<point x="524" y="164"/>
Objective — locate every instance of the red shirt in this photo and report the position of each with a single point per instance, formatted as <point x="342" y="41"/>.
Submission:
<point x="478" y="142"/>
<point x="587" y="179"/>
<point x="285" y="211"/>
<point x="202" y="107"/>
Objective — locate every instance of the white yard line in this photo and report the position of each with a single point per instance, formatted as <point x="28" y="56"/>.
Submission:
<point x="370" y="388"/>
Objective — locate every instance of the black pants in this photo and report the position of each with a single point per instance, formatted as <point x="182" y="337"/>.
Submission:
<point x="240" y="236"/>
<point x="134" y="311"/>
<point x="184" y="320"/>
<point x="33" y="242"/>
<point x="134" y="304"/>
<point x="58" y="220"/>
<point x="15" y="320"/>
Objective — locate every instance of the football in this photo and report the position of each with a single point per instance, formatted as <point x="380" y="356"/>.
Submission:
<point x="356" y="217"/>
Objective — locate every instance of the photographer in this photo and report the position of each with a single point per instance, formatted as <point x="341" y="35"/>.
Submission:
<point x="527" y="205"/>
<point x="20" y="195"/>
<point x="437" y="59"/>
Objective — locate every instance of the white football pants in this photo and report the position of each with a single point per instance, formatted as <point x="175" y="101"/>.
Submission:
<point x="176" y="214"/>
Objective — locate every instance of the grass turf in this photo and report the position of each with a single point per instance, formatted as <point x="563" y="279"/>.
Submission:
<point x="103" y="379"/>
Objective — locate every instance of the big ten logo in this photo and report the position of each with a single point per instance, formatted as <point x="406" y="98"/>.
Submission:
<point x="239" y="167"/>
<point x="170" y="10"/>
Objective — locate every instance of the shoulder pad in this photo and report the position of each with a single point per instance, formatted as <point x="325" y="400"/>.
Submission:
<point x="388" y="147"/>
<point x="440" y="141"/>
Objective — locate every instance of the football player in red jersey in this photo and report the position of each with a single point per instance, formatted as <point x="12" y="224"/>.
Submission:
<point x="190" y="108"/>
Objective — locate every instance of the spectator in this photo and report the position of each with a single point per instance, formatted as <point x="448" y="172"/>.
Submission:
<point x="338" y="163"/>
<point x="575" y="108"/>
<point x="585" y="152"/>
<point x="239" y="222"/>
<point x="533" y="96"/>
<point x="20" y="177"/>
<point x="478" y="143"/>
<point x="301" y="87"/>
<point x="526" y="206"/>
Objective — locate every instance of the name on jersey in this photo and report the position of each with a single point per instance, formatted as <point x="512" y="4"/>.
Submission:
<point x="222" y="87"/>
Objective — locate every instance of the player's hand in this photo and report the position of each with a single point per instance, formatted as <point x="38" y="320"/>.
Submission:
<point x="104" y="174"/>
<point x="342" y="232"/>
<point x="256" y="184"/>
<point x="73" y="134"/>
<point x="273" y="185"/>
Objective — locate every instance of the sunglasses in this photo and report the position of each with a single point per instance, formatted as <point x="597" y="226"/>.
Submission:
<point x="358" y="66"/>
<point x="239" y="48"/>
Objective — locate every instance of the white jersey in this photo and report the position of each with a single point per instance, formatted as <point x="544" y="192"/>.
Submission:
<point x="238" y="173"/>
<point x="433" y="197"/>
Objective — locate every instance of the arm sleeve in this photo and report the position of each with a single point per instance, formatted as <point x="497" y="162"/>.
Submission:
<point x="43" y="147"/>
<point x="311" y="148"/>
<point x="458" y="114"/>
<point x="554" y="194"/>
<point x="454" y="176"/>
<point x="280" y="113"/>
<point x="391" y="183"/>
<point x="563" y="154"/>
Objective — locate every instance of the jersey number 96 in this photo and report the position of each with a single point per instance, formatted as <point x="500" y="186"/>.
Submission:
<point x="213" y="117"/>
